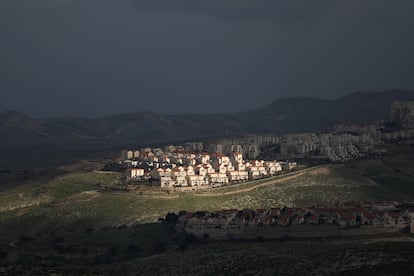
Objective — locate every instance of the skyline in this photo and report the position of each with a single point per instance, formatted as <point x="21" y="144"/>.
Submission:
<point x="405" y="95"/>
<point x="97" y="58"/>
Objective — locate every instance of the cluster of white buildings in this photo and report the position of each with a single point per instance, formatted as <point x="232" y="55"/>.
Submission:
<point x="331" y="146"/>
<point x="402" y="113"/>
<point x="344" y="143"/>
<point x="202" y="170"/>
<point x="351" y="141"/>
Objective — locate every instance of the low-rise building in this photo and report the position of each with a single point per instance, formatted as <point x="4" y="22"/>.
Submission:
<point x="166" y="182"/>
<point x="197" y="180"/>
<point x="218" y="179"/>
<point x="134" y="173"/>
<point x="180" y="181"/>
<point x="161" y="172"/>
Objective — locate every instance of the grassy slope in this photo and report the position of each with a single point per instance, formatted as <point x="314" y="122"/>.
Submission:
<point x="276" y="258"/>
<point x="73" y="198"/>
<point x="67" y="213"/>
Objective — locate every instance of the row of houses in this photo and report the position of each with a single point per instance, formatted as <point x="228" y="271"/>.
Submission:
<point x="178" y="157"/>
<point x="209" y="170"/>
<point x="247" y="147"/>
<point x="341" y="216"/>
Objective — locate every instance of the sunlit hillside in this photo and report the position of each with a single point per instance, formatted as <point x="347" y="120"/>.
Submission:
<point x="83" y="218"/>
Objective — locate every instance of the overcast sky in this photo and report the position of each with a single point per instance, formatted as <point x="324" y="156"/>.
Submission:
<point x="99" y="57"/>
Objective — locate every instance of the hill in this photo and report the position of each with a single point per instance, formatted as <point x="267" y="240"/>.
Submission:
<point x="295" y="115"/>
<point x="62" y="137"/>
<point x="66" y="225"/>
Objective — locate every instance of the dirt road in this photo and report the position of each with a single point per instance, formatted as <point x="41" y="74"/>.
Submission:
<point x="238" y="188"/>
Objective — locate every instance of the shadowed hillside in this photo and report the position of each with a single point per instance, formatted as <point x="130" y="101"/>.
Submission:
<point x="309" y="114"/>
<point x="70" y="224"/>
<point x="61" y="136"/>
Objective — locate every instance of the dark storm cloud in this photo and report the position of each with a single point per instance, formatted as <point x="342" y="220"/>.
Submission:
<point x="95" y="57"/>
<point x="279" y="10"/>
<point x="305" y="11"/>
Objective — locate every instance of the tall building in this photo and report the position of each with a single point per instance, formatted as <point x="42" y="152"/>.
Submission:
<point x="215" y="148"/>
<point x="194" y="146"/>
<point x="402" y="113"/>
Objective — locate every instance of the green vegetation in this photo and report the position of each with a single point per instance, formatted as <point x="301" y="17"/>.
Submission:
<point x="78" y="196"/>
<point x="72" y="221"/>
<point x="277" y="258"/>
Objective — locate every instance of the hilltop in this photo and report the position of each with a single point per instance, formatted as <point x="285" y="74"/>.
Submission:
<point x="57" y="138"/>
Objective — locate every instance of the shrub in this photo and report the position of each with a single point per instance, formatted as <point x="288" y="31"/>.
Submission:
<point x="206" y="238"/>
<point x="260" y="238"/>
<point x="84" y="251"/>
<point x="183" y="246"/>
<point x="23" y="238"/>
<point x="285" y="238"/>
<point x="89" y="231"/>
<point x="160" y="247"/>
<point x="113" y="251"/>
<point x="58" y="240"/>
<point x="133" y="249"/>
<point x="61" y="249"/>
<point x="171" y="218"/>
<point x="3" y="254"/>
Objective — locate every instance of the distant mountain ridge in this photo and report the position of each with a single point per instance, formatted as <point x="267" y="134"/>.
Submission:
<point x="286" y="115"/>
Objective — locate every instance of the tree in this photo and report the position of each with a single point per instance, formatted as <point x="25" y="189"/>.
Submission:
<point x="160" y="247"/>
<point x="171" y="218"/>
<point x="133" y="249"/>
<point x="260" y="238"/>
<point x="206" y="237"/>
<point x="3" y="254"/>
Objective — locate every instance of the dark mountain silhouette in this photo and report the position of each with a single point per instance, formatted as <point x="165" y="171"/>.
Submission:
<point x="22" y="136"/>
<point x="309" y="114"/>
